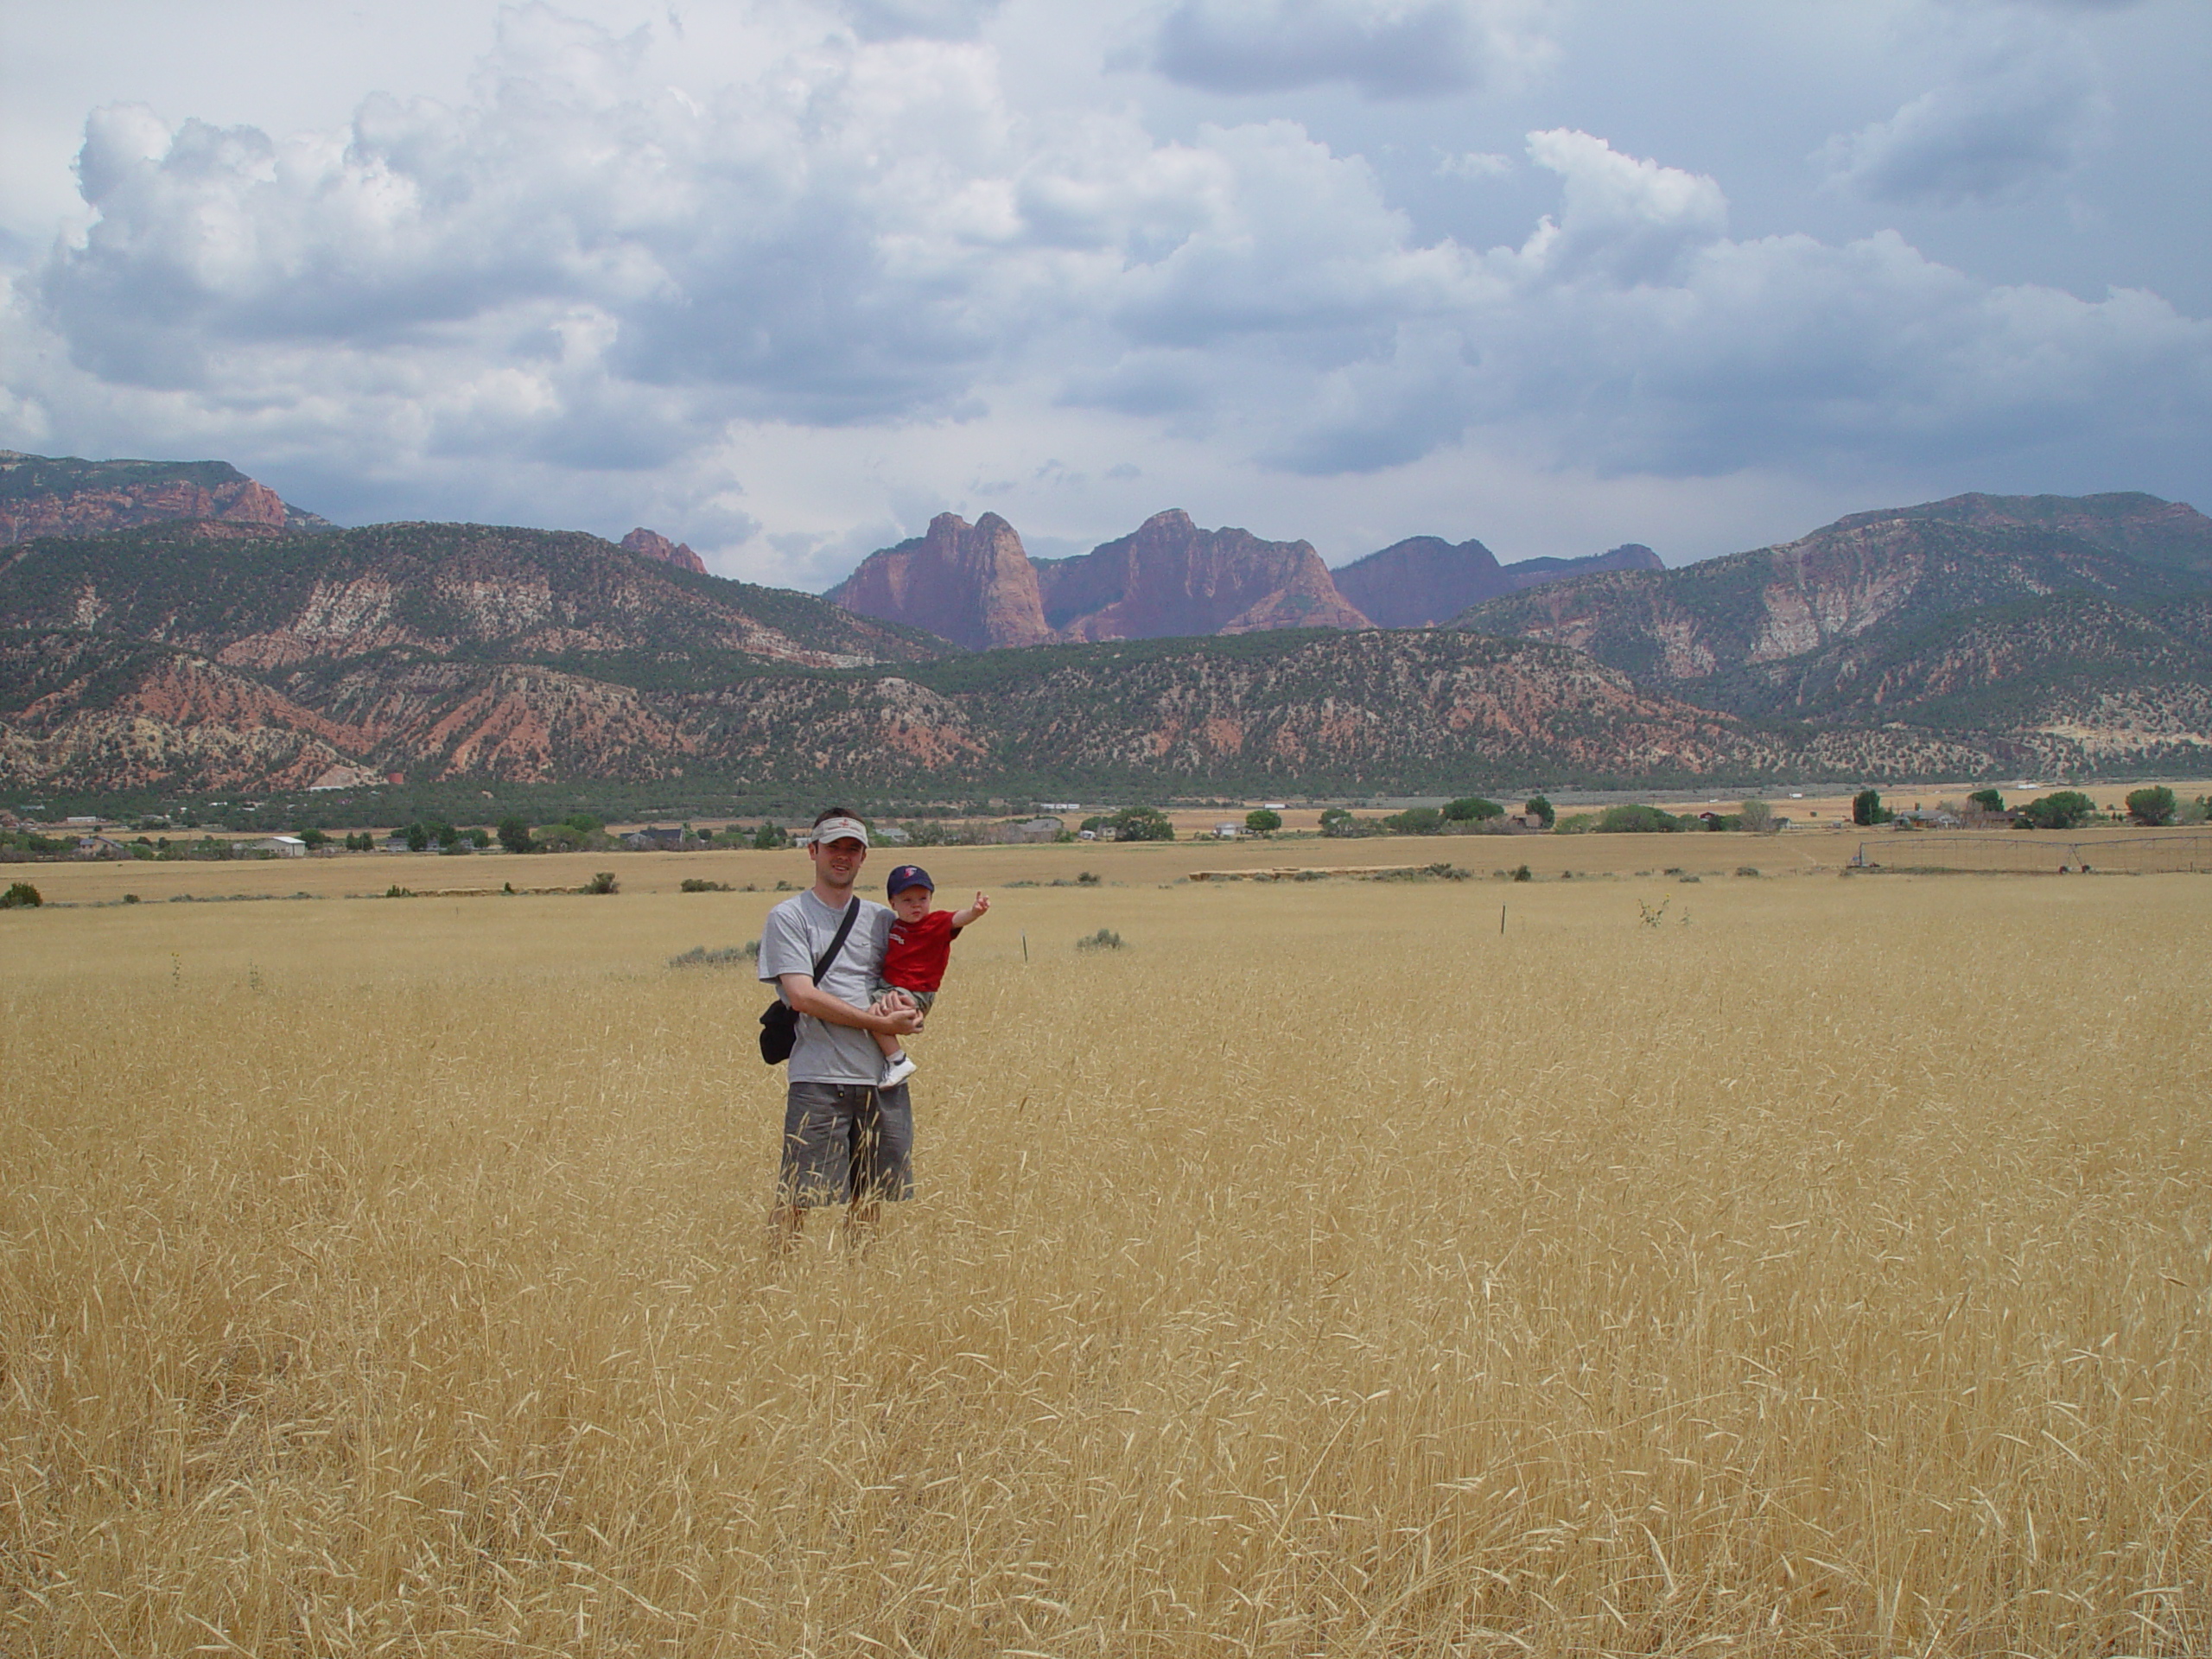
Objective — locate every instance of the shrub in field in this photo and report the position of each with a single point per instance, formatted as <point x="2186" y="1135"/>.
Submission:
<point x="700" y="884"/>
<point x="1104" y="939"/>
<point x="603" y="881"/>
<point x="21" y="895"/>
<point x="730" y="955"/>
<point x="2152" y="806"/>
<point x="1523" y="874"/>
<point x="1086" y="878"/>
<point x="1745" y="869"/>
<point x="1263" y="821"/>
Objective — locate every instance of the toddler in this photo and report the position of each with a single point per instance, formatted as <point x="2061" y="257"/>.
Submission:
<point x="915" y="958"/>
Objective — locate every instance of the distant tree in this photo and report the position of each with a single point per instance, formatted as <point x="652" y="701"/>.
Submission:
<point x="313" y="838"/>
<point x="1757" y="817"/>
<point x="2067" y="809"/>
<point x="2152" y="806"/>
<point x="1640" y="820"/>
<point x="1866" y="808"/>
<point x="479" y="837"/>
<point x="1990" y="801"/>
<point x="444" y="834"/>
<point x="1540" y="809"/>
<point x="584" y="824"/>
<point x="1338" y="824"/>
<point x="418" y="838"/>
<point x="769" y="836"/>
<point x="514" y="836"/>
<point x="1415" y="821"/>
<point x="1142" y="823"/>
<point x="1263" y="821"/>
<point x="1471" y="809"/>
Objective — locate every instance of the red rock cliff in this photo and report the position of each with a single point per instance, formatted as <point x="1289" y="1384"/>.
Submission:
<point x="1172" y="578"/>
<point x="972" y="584"/>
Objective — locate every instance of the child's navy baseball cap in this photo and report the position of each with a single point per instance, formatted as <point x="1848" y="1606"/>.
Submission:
<point x="906" y="876"/>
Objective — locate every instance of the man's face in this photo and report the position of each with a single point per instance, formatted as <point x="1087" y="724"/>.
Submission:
<point x="835" y="865"/>
<point x="911" y="904"/>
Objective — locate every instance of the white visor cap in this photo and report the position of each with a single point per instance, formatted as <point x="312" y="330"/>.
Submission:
<point x="831" y="830"/>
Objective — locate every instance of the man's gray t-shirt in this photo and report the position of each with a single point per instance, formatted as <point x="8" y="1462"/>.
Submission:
<point x="797" y="931"/>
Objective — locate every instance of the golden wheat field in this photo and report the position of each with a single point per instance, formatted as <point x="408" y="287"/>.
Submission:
<point x="1824" y="1269"/>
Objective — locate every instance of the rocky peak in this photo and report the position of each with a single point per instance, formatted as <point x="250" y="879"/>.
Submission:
<point x="973" y="584"/>
<point x="1169" y="577"/>
<point x="1419" y="580"/>
<point x="654" y="545"/>
<point x="1425" y="580"/>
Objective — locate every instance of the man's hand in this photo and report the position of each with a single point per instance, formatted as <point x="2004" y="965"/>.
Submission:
<point x="901" y="1019"/>
<point x="974" y="913"/>
<point x="894" y="1003"/>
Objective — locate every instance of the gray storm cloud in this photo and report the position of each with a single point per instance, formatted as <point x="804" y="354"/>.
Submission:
<point x="577" y="268"/>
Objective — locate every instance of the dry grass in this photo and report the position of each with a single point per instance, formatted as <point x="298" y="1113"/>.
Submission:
<point x="1324" y="1273"/>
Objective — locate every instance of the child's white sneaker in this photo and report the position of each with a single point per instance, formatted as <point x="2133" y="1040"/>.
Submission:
<point x="897" y="1071"/>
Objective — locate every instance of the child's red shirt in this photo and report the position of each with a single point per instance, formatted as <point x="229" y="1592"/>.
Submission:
<point x="915" y="958"/>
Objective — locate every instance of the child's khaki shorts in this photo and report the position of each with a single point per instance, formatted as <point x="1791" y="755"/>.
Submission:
<point x="922" y="999"/>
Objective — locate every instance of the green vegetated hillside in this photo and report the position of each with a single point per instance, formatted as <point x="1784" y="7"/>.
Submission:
<point x="2129" y="522"/>
<point x="1996" y="619"/>
<point x="236" y="658"/>
<point x="255" y="600"/>
<point x="23" y="475"/>
<point x="65" y="495"/>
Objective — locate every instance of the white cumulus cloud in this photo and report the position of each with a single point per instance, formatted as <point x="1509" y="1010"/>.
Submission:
<point x="1387" y="48"/>
<point x="581" y="295"/>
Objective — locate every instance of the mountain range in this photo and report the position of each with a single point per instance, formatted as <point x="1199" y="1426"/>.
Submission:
<point x="977" y="586"/>
<point x="267" y="650"/>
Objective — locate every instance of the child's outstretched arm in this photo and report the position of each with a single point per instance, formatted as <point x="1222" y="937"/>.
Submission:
<point x="973" y="914"/>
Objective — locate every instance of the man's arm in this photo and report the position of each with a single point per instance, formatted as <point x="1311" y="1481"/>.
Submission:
<point x="973" y="914"/>
<point x="803" y="994"/>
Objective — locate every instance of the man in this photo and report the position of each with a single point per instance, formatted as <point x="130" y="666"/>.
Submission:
<point x="845" y="1140"/>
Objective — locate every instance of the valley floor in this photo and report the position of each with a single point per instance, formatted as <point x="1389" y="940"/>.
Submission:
<point x="1803" y="1266"/>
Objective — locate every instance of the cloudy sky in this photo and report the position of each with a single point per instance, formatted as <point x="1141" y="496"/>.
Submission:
<point x="783" y="279"/>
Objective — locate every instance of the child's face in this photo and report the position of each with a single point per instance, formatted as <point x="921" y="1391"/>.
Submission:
<point x="911" y="904"/>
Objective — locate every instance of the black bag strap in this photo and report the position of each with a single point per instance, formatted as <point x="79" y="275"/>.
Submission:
<point x="837" y="943"/>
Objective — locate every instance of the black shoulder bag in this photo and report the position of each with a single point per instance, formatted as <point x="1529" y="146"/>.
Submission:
<point x="780" y="1024"/>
